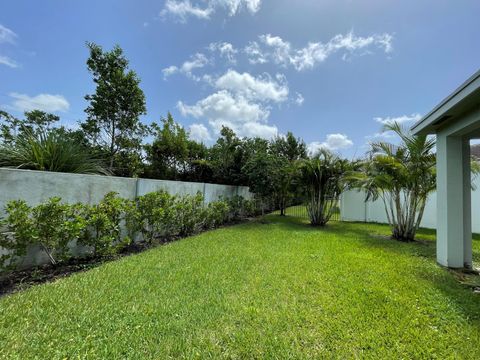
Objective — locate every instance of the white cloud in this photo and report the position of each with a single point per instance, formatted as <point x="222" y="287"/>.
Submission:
<point x="333" y="142"/>
<point x="7" y="35"/>
<point x="300" y="99"/>
<point x="224" y="106"/>
<point x="199" y="133"/>
<point x="197" y="61"/>
<point x="255" y="54"/>
<point x="398" y="119"/>
<point x="281" y="52"/>
<point x="44" y="102"/>
<point x="184" y="9"/>
<point x="245" y="117"/>
<point x="226" y="50"/>
<point x="5" y="60"/>
<point x="260" y="88"/>
<point x="242" y="102"/>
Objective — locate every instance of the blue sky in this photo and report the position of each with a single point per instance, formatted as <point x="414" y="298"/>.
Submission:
<point x="328" y="70"/>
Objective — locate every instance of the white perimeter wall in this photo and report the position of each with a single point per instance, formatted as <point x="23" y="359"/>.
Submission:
<point x="37" y="186"/>
<point x="354" y="208"/>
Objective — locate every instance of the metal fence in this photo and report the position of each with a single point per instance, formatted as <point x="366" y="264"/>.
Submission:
<point x="301" y="211"/>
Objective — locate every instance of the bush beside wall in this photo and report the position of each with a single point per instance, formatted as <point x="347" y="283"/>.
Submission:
<point x="111" y="225"/>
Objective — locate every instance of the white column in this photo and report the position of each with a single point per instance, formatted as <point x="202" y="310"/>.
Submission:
<point x="454" y="228"/>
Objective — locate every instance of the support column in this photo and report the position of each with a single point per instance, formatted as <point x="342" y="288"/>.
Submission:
<point x="454" y="221"/>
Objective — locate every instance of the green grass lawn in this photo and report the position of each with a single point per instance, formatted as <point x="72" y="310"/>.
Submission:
<point x="276" y="290"/>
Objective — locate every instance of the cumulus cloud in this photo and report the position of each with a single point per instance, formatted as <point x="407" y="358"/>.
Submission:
<point x="196" y="61"/>
<point x="255" y="54"/>
<point x="333" y="142"/>
<point x="226" y="51"/>
<point x="398" y="119"/>
<point x="182" y="10"/>
<point x="199" y="133"/>
<point x="274" y="49"/>
<point x="222" y="107"/>
<point x="44" y="102"/>
<point x="259" y="88"/>
<point x="242" y="102"/>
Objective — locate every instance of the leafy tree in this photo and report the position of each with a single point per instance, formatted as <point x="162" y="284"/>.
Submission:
<point x="227" y="158"/>
<point x="49" y="151"/>
<point x="35" y="122"/>
<point x="169" y="150"/>
<point x="402" y="176"/>
<point x="289" y="147"/>
<point x="198" y="166"/>
<point x="323" y="179"/>
<point x="270" y="177"/>
<point x="113" y="121"/>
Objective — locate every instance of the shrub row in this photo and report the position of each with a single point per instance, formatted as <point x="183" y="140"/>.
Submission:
<point x="109" y="226"/>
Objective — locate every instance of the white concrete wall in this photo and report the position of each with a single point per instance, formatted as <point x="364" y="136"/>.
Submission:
<point x="354" y="208"/>
<point x="37" y="186"/>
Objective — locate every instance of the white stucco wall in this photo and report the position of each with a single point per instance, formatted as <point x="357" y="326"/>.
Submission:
<point x="37" y="186"/>
<point x="354" y="208"/>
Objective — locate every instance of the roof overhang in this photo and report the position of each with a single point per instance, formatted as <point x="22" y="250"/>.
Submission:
<point x="465" y="98"/>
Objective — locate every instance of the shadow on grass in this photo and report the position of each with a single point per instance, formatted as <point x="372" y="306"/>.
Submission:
<point x="457" y="286"/>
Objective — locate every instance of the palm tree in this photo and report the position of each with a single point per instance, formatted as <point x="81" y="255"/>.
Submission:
<point x="49" y="150"/>
<point x="402" y="176"/>
<point x="323" y="180"/>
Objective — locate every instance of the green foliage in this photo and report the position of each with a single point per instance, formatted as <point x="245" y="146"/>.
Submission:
<point x="103" y="225"/>
<point x="17" y="232"/>
<point x="241" y="208"/>
<point x="217" y="214"/>
<point x="114" y="109"/>
<point x="190" y="215"/>
<point x="56" y="224"/>
<point x="169" y="151"/>
<point x="323" y="180"/>
<point x="35" y="122"/>
<point x="402" y="176"/>
<point x="157" y="215"/>
<point x="51" y="225"/>
<point x="113" y="223"/>
<point x="49" y="151"/>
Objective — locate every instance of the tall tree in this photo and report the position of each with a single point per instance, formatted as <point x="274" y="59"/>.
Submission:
<point x="402" y="176"/>
<point x="289" y="147"/>
<point x="323" y="179"/>
<point x="113" y="115"/>
<point x="35" y="122"/>
<point x="169" y="150"/>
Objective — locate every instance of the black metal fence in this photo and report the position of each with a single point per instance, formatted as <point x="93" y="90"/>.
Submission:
<point x="301" y="211"/>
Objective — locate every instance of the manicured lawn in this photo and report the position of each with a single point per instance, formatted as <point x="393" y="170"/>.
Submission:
<point x="275" y="290"/>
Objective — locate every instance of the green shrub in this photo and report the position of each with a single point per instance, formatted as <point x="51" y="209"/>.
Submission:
<point x="103" y="230"/>
<point x="241" y="208"/>
<point x="17" y="232"/>
<point x="189" y="214"/>
<point x="155" y="214"/>
<point x="51" y="225"/>
<point x="55" y="225"/>
<point x="217" y="213"/>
